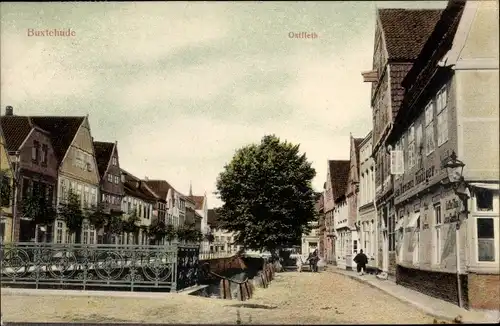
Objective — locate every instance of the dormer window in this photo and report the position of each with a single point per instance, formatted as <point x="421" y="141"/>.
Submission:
<point x="114" y="161"/>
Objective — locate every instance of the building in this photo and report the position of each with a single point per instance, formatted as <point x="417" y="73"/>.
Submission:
<point x="6" y="198"/>
<point x="399" y="36"/>
<point x="202" y="210"/>
<point x="139" y="200"/>
<point x="111" y="185"/>
<point x="192" y="218"/>
<point x="35" y="165"/>
<point x="336" y="170"/>
<point x="161" y="188"/>
<point x="451" y="106"/>
<point x="367" y="218"/>
<point x="223" y="240"/>
<point x="310" y="240"/>
<point x="342" y="232"/>
<point x="321" y="226"/>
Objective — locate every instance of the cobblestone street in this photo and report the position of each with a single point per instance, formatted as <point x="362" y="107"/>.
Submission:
<point x="292" y="298"/>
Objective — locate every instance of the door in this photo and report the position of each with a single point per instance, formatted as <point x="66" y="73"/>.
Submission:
<point x="385" y="253"/>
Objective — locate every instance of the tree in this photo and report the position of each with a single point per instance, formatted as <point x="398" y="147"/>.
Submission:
<point x="158" y="230"/>
<point x="111" y="224"/>
<point x="5" y="189"/>
<point x="130" y="225"/>
<point x="71" y="212"/>
<point x="170" y="233"/>
<point x="38" y="207"/>
<point x="182" y="233"/>
<point x="267" y="195"/>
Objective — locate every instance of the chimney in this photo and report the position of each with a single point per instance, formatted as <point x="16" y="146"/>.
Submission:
<point x="9" y="111"/>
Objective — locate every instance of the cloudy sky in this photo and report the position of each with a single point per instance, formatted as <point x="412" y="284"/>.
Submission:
<point x="182" y="85"/>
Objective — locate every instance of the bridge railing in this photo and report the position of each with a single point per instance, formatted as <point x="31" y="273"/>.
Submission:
<point x="118" y="267"/>
<point x="204" y="255"/>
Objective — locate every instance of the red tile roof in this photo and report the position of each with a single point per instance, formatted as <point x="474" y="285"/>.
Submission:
<point x="135" y="187"/>
<point x="398" y="73"/>
<point x="103" y="152"/>
<point x="62" y="131"/>
<point x="160" y="187"/>
<point x="212" y="218"/>
<point x="339" y="173"/>
<point x="198" y="200"/>
<point x="406" y="31"/>
<point x="15" y="130"/>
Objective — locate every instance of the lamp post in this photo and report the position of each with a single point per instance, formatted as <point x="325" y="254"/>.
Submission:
<point x="454" y="168"/>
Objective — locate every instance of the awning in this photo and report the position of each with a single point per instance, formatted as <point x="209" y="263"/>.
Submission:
<point x="399" y="224"/>
<point x="413" y="220"/>
<point x="492" y="186"/>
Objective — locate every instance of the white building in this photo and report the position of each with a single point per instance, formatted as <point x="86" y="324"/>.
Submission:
<point x="310" y="240"/>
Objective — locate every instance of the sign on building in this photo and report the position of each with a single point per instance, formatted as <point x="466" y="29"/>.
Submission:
<point x="397" y="162"/>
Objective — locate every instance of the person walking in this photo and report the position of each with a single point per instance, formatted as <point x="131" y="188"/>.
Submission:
<point x="313" y="261"/>
<point x="361" y="260"/>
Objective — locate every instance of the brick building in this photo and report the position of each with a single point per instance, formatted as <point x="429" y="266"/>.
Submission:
<point x="438" y="237"/>
<point x="399" y="36"/>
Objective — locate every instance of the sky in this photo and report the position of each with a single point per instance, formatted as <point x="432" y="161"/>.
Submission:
<point x="182" y="85"/>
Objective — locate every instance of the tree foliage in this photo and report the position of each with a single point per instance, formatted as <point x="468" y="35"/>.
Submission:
<point x="71" y="212"/>
<point x="5" y="189"/>
<point x="189" y="232"/>
<point x="267" y="194"/>
<point x="37" y="207"/>
<point x="130" y="225"/>
<point x="111" y="223"/>
<point x="158" y="230"/>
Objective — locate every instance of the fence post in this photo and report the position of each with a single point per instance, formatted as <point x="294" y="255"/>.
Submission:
<point x="175" y="263"/>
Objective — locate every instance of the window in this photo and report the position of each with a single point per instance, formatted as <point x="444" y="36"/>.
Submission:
<point x="437" y="234"/>
<point x="115" y="161"/>
<point x="110" y="178"/>
<point x="79" y="192"/>
<point x="442" y="115"/>
<point x="117" y="179"/>
<point x="35" y="151"/>
<point x="45" y="150"/>
<point x="485" y="239"/>
<point x="418" y="145"/>
<point x="429" y="128"/>
<point x="411" y="147"/>
<point x="391" y="230"/>
<point x="59" y="232"/>
<point x="64" y="189"/>
<point x="484" y="200"/>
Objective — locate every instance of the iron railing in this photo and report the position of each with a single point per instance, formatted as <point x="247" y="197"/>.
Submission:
<point x="204" y="255"/>
<point x="126" y="267"/>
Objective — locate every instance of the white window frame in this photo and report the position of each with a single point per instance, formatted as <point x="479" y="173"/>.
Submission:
<point x="429" y="128"/>
<point x="110" y="177"/>
<point x="437" y="233"/>
<point x="495" y="241"/>
<point x="442" y="115"/>
<point x="59" y="231"/>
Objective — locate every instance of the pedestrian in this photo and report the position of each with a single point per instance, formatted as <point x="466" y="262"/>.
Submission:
<point x="361" y="260"/>
<point x="313" y="261"/>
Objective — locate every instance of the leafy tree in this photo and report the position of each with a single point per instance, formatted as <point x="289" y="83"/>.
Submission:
<point x="182" y="232"/>
<point x="209" y="237"/>
<point x="71" y="212"/>
<point x="130" y="224"/>
<point x="5" y="189"/>
<point x="111" y="223"/>
<point x="157" y="230"/>
<point x="37" y="207"/>
<point x="267" y="195"/>
<point x="170" y="233"/>
<point x="97" y="217"/>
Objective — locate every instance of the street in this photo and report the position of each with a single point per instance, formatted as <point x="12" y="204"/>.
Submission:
<point x="292" y="298"/>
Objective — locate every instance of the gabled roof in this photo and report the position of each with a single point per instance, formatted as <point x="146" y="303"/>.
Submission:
<point x="198" y="200"/>
<point x="103" y="152"/>
<point x="406" y="31"/>
<point x="212" y="218"/>
<point x="15" y="130"/>
<point x="62" y="131"/>
<point x="339" y="173"/>
<point x="160" y="187"/>
<point x="135" y="187"/>
<point x="420" y="80"/>
<point x="357" y="146"/>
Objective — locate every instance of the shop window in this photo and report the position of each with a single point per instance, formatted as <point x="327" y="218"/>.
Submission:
<point x="485" y="239"/>
<point x="484" y="200"/>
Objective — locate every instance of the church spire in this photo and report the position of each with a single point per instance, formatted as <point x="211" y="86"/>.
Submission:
<point x="190" y="189"/>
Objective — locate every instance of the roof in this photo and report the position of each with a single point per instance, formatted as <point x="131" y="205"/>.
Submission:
<point x="212" y="218"/>
<point x="425" y="74"/>
<point x="406" y="31"/>
<point x="135" y="187"/>
<point x="398" y="73"/>
<point x="15" y="130"/>
<point x="339" y="173"/>
<point x="160" y="187"/>
<point x="198" y="200"/>
<point x="103" y="152"/>
<point x="62" y="131"/>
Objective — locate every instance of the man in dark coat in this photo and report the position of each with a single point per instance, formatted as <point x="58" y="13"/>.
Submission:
<point x="313" y="261"/>
<point x="361" y="260"/>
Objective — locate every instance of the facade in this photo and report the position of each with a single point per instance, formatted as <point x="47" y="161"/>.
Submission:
<point x="161" y="188"/>
<point x="335" y="178"/>
<point x="223" y="241"/>
<point x="437" y="237"/>
<point x="310" y="241"/>
<point x="342" y="231"/>
<point x="202" y="210"/>
<point x="140" y="200"/>
<point x="31" y="150"/>
<point x="6" y="187"/>
<point x="111" y="185"/>
<point x="399" y="36"/>
<point x="367" y="218"/>
<point x="191" y="216"/>
<point x="321" y="226"/>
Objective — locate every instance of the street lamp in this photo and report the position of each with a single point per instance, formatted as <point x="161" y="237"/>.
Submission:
<point x="454" y="168"/>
